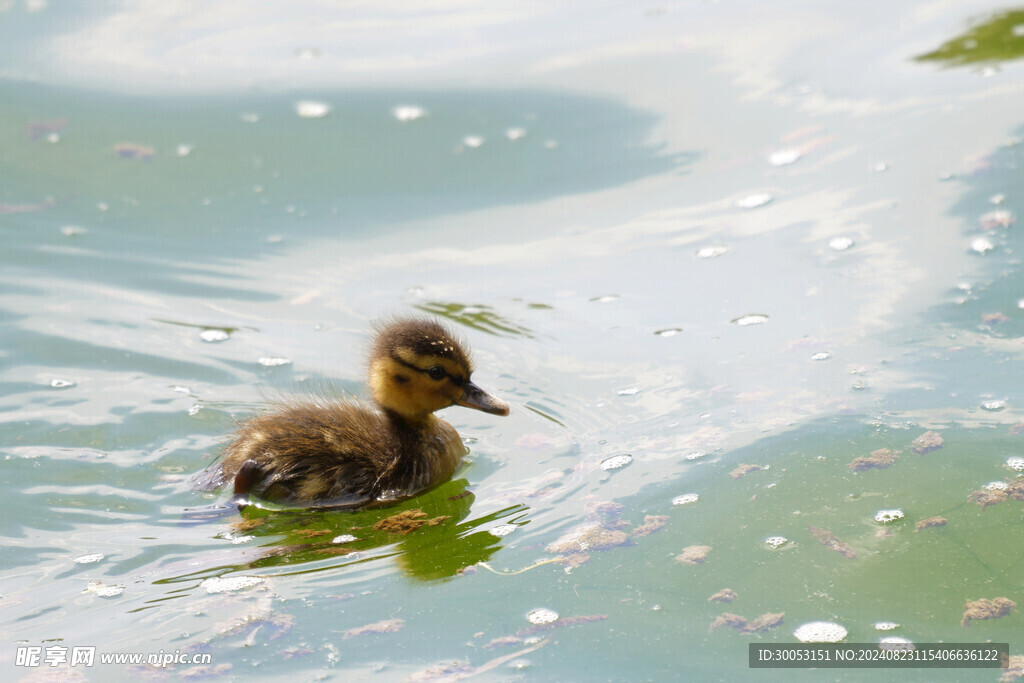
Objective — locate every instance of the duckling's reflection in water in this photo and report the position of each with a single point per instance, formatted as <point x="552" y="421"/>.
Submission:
<point x="428" y="537"/>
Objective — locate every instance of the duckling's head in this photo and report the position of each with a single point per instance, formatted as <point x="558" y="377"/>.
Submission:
<point x="417" y="366"/>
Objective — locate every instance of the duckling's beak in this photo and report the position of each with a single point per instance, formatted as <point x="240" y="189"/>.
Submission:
<point x="478" y="399"/>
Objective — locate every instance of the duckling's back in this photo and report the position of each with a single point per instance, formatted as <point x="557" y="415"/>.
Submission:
<point x="338" y="453"/>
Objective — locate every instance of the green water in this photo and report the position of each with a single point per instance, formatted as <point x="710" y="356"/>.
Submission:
<point x="594" y="199"/>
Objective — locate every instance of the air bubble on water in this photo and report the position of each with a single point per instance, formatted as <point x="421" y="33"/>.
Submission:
<point x="996" y="219"/>
<point x="605" y="298"/>
<point x="824" y="355"/>
<point x="73" y="230"/>
<point x="896" y="644"/>
<point x="104" y="590"/>
<point x="61" y="383"/>
<point x="184" y="149"/>
<point x="631" y="391"/>
<point x="220" y="584"/>
<point x="696" y="455"/>
<point x="774" y="542"/>
<point x="1015" y="463"/>
<point x="982" y="245"/>
<point x="784" y="157"/>
<point x="712" y="251"/>
<point x="312" y="109"/>
<point x="685" y="499"/>
<point x="344" y="538"/>
<point x="91" y="558"/>
<point x="273" y="362"/>
<point x="194" y="410"/>
<point x="502" y="530"/>
<point x="103" y="206"/>
<point x="888" y="516"/>
<point x="886" y="625"/>
<point x="750" y="319"/>
<point x="214" y="335"/>
<point x="551" y="144"/>
<point x="250" y="117"/>
<point x="997" y="198"/>
<point x="616" y="461"/>
<point x="668" y="332"/>
<point x="53" y="138"/>
<point x="820" y="632"/>
<point x="880" y="167"/>
<point x="996" y="486"/>
<point x="840" y="243"/>
<point x="994" y="405"/>
<point x="307" y="54"/>
<point x="753" y="201"/>
<point x="472" y="141"/>
<point x="1018" y="30"/>
<point x="515" y="133"/>
<point x="406" y="113"/>
<point x="542" y="615"/>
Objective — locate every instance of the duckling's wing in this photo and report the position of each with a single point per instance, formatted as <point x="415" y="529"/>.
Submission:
<point x="324" y="453"/>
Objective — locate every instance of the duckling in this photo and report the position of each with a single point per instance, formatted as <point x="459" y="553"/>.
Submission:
<point x="337" y="452"/>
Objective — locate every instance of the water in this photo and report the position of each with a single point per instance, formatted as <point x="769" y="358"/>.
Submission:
<point x="709" y="263"/>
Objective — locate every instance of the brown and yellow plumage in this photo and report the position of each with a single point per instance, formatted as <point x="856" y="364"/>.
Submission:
<point x="335" y="452"/>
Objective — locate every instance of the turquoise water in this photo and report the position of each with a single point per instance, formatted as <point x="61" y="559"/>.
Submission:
<point x="666" y="234"/>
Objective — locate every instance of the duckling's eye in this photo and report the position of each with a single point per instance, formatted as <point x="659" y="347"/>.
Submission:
<point x="436" y="372"/>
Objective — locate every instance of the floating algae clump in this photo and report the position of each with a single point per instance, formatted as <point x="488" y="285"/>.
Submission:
<point x="694" y="554"/>
<point x="986" y="609"/>
<point x="594" y="537"/>
<point x="927" y="442"/>
<point x="879" y="459"/>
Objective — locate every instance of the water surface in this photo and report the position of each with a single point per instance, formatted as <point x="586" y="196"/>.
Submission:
<point x="744" y="253"/>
